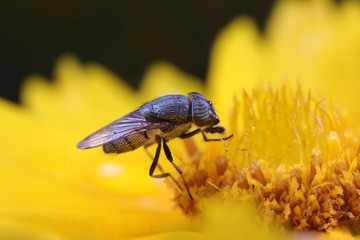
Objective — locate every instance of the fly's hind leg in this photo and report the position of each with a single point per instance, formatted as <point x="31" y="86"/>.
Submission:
<point x="170" y="158"/>
<point x="155" y="163"/>
<point x="151" y="156"/>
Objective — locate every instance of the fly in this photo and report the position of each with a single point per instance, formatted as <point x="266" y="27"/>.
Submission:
<point x="157" y="122"/>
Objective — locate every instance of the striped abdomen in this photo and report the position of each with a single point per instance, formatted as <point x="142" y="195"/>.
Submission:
<point x="126" y="143"/>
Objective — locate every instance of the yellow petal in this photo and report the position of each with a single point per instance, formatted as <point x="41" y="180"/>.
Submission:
<point x="78" y="91"/>
<point x="318" y="43"/>
<point x="163" y="79"/>
<point x="228" y="220"/>
<point x="174" y="236"/>
<point x="52" y="190"/>
<point x="235" y="62"/>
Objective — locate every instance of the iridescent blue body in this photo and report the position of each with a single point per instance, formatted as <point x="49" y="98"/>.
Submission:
<point x="157" y="122"/>
<point x="166" y="117"/>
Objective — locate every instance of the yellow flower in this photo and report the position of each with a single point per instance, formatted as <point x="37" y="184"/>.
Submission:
<point x="49" y="188"/>
<point x="312" y="42"/>
<point x="294" y="154"/>
<point x="293" y="158"/>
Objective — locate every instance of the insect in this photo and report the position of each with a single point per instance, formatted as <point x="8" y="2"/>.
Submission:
<point x="157" y="122"/>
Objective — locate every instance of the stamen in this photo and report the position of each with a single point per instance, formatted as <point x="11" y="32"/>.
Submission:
<point x="300" y="166"/>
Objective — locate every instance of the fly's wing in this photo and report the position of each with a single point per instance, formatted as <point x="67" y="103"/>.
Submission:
<point x="131" y="123"/>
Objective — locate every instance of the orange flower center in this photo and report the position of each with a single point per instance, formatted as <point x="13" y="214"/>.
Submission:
<point x="292" y="155"/>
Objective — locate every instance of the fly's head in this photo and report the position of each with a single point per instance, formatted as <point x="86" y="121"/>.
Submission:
<point x="202" y="110"/>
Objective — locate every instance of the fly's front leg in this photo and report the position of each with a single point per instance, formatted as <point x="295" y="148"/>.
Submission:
<point x="209" y="130"/>
<point x="214" y="130"/>
<point x="170" y="158"/>
<point x="190" y="134"/>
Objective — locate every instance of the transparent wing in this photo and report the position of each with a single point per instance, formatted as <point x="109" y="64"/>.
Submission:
<point x="131" y="123"/>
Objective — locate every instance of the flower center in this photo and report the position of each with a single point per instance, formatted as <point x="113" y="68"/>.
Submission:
<point x="292" y="155"/>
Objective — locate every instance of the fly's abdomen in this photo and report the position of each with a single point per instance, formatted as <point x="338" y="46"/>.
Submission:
<point x="126" y="144"/>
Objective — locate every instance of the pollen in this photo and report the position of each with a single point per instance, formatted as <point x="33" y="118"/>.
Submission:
<point x="293" y="155"/>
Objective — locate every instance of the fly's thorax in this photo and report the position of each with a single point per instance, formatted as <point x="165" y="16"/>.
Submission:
<point x="202" y="111"/>
<point x="176" y="108"/>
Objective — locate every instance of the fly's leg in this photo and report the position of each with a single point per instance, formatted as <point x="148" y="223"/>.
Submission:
<point x="190" y="134"/>
<point x="215" y="129"/>
<point x="209" y="130"/>
<point x="155" y="163"/>
<point x="170" y="158"/>
<point x="214" y="139"/>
